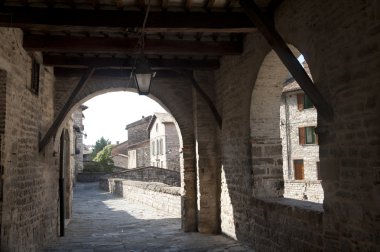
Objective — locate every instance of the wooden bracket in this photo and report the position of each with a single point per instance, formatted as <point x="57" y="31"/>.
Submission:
<point x="208" y="100"/>
<point x="66" y="108"/>
<point x="264" y="25"/>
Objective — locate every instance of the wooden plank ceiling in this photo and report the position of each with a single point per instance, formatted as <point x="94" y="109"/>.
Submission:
<point x="178" y="33"/>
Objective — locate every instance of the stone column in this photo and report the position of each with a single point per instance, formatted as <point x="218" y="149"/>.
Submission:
<point x="189" y="192"/>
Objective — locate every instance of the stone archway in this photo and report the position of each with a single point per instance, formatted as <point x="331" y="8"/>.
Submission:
<point x="175" y="95"/>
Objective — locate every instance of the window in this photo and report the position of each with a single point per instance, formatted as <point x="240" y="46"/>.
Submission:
<point x="298" y="169"/>
<point x="157" y="127"/>
<point x="161" y="147"/>
<point x="158" y="147"/>
<point x="153" y="150"/>
<point x="162" y="164"/>
<point x="35" y="80"/>
<point x="318" y="171"/>
<point x="307" y="135"/>
<point x="304" y="102"/>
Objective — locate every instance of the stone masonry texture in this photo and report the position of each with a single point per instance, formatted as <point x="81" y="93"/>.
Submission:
<point x="291" y="120"/>
<point x="242" y="161"/>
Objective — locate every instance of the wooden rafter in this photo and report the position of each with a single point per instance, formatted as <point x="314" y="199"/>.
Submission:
<point x="264" y="25"/>
<point x="128" y="45"/>
<point x="95" y="4"/>
<point x="210" y="4"/>
<point x="55" y="19"/>
<point x="119" y="4"/>
<point x="164" y="4"/>
<point x="129" y="63"/>
<point x="273" y="5"/>
<point x="65" y="109"/>
<point x="188" y="4"/>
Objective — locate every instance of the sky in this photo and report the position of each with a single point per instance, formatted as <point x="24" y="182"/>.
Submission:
<point x="108" y="114"/>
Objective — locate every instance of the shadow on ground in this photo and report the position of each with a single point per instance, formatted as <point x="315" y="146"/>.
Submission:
<point x="102" y="222"/>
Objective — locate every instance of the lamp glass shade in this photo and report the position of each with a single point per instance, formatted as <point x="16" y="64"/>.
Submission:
<point x="143" y="75"/>
<point x="143" y="81"/>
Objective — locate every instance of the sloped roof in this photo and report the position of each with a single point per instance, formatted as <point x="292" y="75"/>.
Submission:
<point x="291" y="86"/>
<point x="162" y="117"/>
<point x="141" y="121"/>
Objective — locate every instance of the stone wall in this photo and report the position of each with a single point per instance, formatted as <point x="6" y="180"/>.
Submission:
<point x="30" y="189"/>
<point x="151" y="174"/>
<point x="143" y="155"/>
<point x="304" y="190"/>
<point x="77" y="118"/>
<point x="90" y="176"/>
<point x="344" y="70"/>
<point x="157" y="195"/>
<point x="3" y="82"/>
<point x="121" y="148"/>
<point x="137" y="131"/>
<point x="172" y="147"/>
<point x="120" y="160"/>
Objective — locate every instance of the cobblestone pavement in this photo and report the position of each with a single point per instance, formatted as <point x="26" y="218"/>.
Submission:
<point x="102" y="222"/>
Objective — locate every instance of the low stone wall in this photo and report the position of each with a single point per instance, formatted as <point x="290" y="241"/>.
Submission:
<point x="304" y="190"/>
<point x="157" y="195"/>
<point x="286" y="225"/>
<point x="151" y="174"/>
<point x="90" y="176"/>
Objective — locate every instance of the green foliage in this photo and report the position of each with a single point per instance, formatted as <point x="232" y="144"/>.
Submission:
<point x="103" y="157"/>
<point x="99" y="145"/>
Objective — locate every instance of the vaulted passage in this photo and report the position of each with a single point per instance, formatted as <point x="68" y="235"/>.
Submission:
<point x="102" y="222"/>
<point x="215" y="64"/>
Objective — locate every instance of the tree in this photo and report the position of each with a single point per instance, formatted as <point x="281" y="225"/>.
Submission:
<point x="99" y="145"/>
<point x="103" y="157"/>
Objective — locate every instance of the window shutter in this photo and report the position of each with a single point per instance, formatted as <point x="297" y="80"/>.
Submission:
<point x="302" y="137"/>
<point x="298" y="170"/>
<point x="300" y="101"/>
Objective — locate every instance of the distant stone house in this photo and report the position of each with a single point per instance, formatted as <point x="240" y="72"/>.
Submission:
<point x="299" y="145"/>
<point x="120" y="154"/>
<point x="164" y="142"/>
<point x="138" y="143"/>
<point x="78" y="146"/>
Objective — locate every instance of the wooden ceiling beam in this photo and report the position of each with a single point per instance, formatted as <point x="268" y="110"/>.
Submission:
<point x="46" y="19"/>
<point x="61" y="72"/>
<point x="65" y="44"/>
<point x="128" y="63"/>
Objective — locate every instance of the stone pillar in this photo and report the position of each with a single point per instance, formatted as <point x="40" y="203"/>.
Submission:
<point x="208" y="159"/>
<point x="189" y="192"/>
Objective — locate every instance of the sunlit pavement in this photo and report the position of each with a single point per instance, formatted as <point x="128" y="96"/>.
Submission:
<point x="102" y="222"/>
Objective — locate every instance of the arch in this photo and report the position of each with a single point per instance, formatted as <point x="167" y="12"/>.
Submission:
<point x="265" y="131"/>
<point x="274" y="132"/>
<point x="175" y="95"/>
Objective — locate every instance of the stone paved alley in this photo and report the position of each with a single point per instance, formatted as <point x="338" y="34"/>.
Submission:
<point x="102" y="222"/>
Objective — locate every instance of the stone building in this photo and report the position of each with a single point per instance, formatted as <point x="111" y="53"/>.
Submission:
<point x="120" y="154"/>
<point x="226" y="105"/>
<point x="300" y="148"/>
<point x="78" y="127"/>
<point x="138" y="143"/>
<point x="164" y="142"/>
